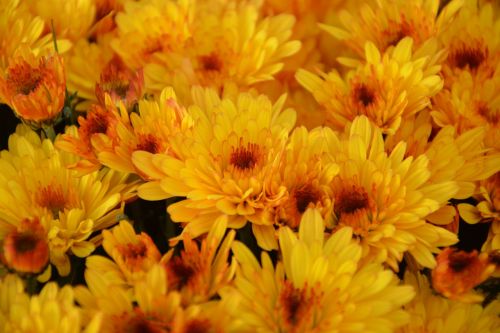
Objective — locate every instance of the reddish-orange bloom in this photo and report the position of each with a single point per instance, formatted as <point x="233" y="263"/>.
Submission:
<point x="26" y="250"/>
<point x="458" y="272"/>
<point x="34" y="86"/>
<point x="122" y="84"/>
<point x="97" y="120"/>
<point x="199" y="272"/>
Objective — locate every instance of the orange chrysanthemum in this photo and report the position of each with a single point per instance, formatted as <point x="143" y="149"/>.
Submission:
<point x="34" y="86"/>
<point x="26" y="250"/>
<point x="457" y="272"/>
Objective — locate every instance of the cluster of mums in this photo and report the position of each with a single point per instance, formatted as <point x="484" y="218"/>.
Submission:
<point x="318" y="157"/>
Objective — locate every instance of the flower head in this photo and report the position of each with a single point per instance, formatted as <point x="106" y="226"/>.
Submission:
<point x="457" y="272"/>
<point x="34" y="86"/>
<point x="319" y="285"/>
<point x="387" y="88"/>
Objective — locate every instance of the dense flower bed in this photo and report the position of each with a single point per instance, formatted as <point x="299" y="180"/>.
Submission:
<point x="195" y="166"/>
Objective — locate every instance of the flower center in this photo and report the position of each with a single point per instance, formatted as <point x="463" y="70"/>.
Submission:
<point x="304" y="196"/>
<point x="460" y="260"/>
<point x="353" y="207"/>
<point x="52" y="198"/>
<point x="140" y="324"/>
<point x="245" y="158"/>
<point x="25" y="242"/>
<point x="211" y="62"/>
<point x="296" y="305"/>
<point x="363" y="95"/>
<point x="472" y="57"/>
<point x="180" y="271"/>
<point x="24" y="78"/>
<point x="351" y="200"/>
<point x="149" y="143"/>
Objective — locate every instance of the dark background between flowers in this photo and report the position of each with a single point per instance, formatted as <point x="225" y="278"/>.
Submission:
<point x="151" y="217"/>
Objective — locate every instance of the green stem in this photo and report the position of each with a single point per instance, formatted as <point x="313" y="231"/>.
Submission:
<point x="49" y="132"/>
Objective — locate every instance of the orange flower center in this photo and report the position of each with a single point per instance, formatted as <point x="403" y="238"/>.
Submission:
<point x="304" y="196"/>
<point x="459" y="261"/>
<point x="363" y="96"/>
<point x="211" y="62"/>
<point x="465" y="56"/>
<point x="52" y="198"/>
<point x="245" y="158"/>
<point x="23" y="78"/>
<point x="180" y="272"/>
<point x="296" y="305"/>
<point x="25" y="242"/>
<point x="353" y="207"/>
<point x="134" y="254"/>
<point x="149" y="143"/>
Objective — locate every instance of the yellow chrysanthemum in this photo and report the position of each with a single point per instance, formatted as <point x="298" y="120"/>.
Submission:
<point x="36" y="183"/>
<point x="386" y="88"/>
<point x="460" y="158"/>
<point x="320" y="286"/>
<point x="150" y="29"/>
<point x="386" y="23"/>
<point x="229" y="44"/>
<point x="431" y="313"/>
<point x="132" y="256"/>
<point x="71" y="20"/>
<point x="470" y="103"/>
<point x="223" y="164"/>
<point x="53" y="310"/>
<point x="151" y="129"/>
<point x="385" y="197"/>
<point x="472" y="43"/>
<point x="306" y="172"/>
<point x="149" y="307"/>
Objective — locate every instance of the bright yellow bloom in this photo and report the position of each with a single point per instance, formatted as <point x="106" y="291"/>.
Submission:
<point x="151" y="29"/>
<point x="34" y="86"/>
<point x="223" y="164"/>
<point x="385" y="197"/>
<point x="386" y="23"/>
<point x="71" y="20"/>
<point x="151" y="129"/>
<point x="319" y="286"/>
<point x="472" y="43"/>
<point x="387" y="88"/>
<point x="228" y="44"/>
<point x="306" y="172"/>
<point x="460" y="158"/>
<point x="150" y="307"/>
<point x="133" y="255"/>
<point x="35" y="182"/>
<point x="51" y="311"/>
<point x="431" y="313"/>
<point x="470" y="103"/>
